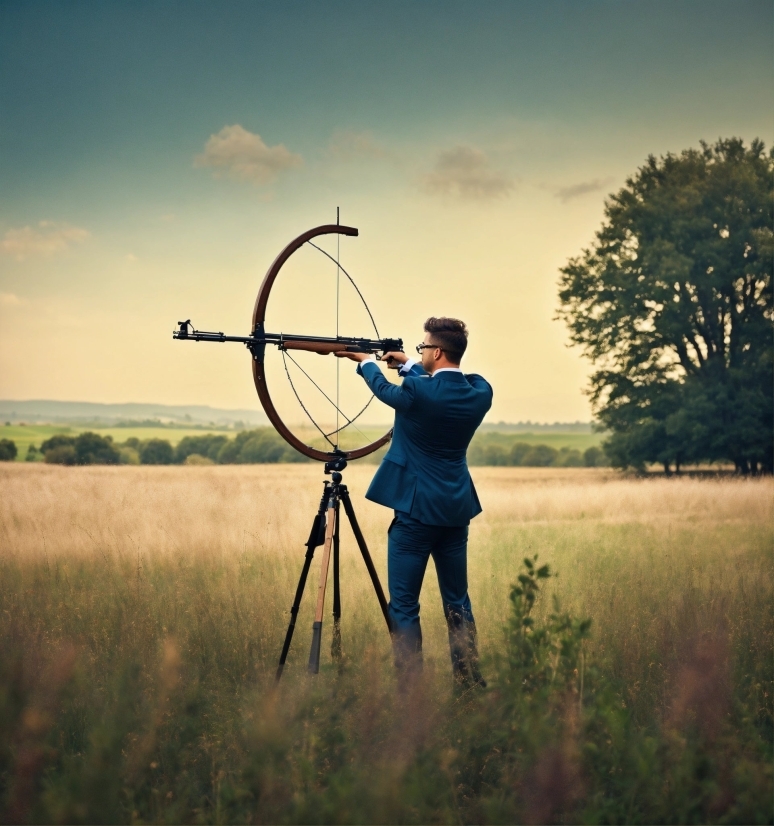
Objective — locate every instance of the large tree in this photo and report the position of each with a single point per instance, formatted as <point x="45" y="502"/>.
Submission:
<point x="673" y="304"/>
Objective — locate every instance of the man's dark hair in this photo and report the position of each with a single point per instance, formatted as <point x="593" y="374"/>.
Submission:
<point x="450" y="334"/>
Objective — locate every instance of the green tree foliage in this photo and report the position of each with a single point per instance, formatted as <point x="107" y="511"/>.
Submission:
<point x="208" y="445"/>
<point x="156" y="452"/>
<point x="8" y="450"/>
<point x="84" y="449"/>
<point x="93" y="449"/>
<point x="594" y="457"/>
<point x="265" y="446"/>
<point x="540" y="456"/>
<point x="673" y="304"/>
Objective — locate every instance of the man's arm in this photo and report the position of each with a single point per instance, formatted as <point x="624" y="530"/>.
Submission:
<point x="398" y="397"/>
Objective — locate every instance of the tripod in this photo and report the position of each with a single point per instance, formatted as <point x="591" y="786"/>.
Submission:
<point x="325" y="532"/>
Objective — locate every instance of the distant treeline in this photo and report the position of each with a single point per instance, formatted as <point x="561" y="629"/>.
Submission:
<point x="265" y="446"/>
<point x="259" y="446"/>
<point x="521" y="454"/>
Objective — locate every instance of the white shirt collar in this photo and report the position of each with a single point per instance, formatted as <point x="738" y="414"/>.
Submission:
<point x="447" y="370"/>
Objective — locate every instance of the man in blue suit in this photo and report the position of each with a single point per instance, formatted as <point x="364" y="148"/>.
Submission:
<point x="424" y="478"/>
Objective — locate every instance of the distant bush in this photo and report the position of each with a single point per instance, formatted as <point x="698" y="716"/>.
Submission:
<point x="156" y="452"/>
<point x="128" y="455"/>
<point x="33" y="454"/>
<point x="59" y="440"/>
<point x="197" y="459"/>
<point x="8" y="450"/>
<point x="518" y="452"/>
<point x="61" y="455"/>
<point x="93" y="449"/>
<point x="85" y="449"/>
<point x="569" y="457"/>
<point x="540" y="456"/>
<point x="208" y="445"/>
<point x="594" y="457"/>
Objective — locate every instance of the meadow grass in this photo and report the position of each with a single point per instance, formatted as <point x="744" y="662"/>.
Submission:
<point x="142" y="610"/>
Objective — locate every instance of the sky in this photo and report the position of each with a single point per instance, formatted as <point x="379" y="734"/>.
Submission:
<point x="156" y="156"/>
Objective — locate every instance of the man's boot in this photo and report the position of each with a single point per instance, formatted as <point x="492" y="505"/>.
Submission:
<point x="463" y="649"/>
<point x="407" y="651"/>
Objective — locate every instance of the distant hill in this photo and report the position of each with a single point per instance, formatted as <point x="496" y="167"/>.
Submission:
<point x="95" y="414"/>
<point x="46" y="410"/>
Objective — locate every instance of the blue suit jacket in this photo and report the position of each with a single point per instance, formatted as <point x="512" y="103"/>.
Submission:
<point x="425" y="472"/>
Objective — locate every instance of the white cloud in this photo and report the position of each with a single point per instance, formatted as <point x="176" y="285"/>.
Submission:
<point x="245" y="157"/>
<point x="347" y="144"/>
<point x="11" y="300"/>
<point x="465" y="172"/>
<point x="567" y="193"/>
<point x="48" y="238"/>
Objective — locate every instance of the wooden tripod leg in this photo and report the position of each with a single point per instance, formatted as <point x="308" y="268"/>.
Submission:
<point x="314" y="654"/>
<point x="336" y="637"/>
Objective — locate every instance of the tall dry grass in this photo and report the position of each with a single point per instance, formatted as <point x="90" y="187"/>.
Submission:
<point x="142" y="611"/>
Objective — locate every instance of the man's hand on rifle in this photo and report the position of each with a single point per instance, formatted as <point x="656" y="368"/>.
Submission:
<point x="393" y="359"/>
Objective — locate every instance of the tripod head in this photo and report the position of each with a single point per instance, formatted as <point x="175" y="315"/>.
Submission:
<point x="335" y="465"/>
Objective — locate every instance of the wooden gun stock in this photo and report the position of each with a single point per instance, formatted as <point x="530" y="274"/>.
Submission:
<point x="324" y="348"/>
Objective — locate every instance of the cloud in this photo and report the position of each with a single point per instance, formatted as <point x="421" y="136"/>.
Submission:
<point x="47" y="239"/>
<point x="346" y="145"/>
<point x="567" y="193"/>
<point x="11" y="300"/>
<point x="465" y="172"/>
<point x="245" y="157"/>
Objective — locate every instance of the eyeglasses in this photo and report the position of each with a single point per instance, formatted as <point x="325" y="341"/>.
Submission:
<point x="421" y="347"/>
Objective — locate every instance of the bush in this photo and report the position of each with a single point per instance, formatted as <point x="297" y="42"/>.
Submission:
<point x="128" y="455"/>
<point x="59" y="440"/>
<point x="594" y="457"/>
<point x="61" y="455"/>
<point x="208" y="445"/>
<point x="33" y="454"/>
<point x="496" y="455"/>
<point x="569" y="457"/>
<point x="197" y="459"/>
<point x="518" y="451"/>
<point x="156" y="452"/>
<point x="540" y="456"/>
<point x="93" y="449"/>
<point x="8" y="450"/>
<point x="261" y="448"/>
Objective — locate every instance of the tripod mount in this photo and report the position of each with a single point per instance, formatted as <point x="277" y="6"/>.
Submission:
<point x="325" y="532"/>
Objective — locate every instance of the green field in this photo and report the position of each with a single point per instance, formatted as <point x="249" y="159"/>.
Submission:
<point x="142" y="611"/>
<point x="25" y="435"/>
<point x="35" y="434"/>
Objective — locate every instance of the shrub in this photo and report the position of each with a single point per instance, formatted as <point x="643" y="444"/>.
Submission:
<point x="156" y="452"/>
<point x="59" y="440"/>
<point x="33" y="454"/>
<point x="61" y="455"/>
<point x="93" y="449"/>
<point x="594" y="457"/>
<point x="540" y="456"/>
<point x="569" y="457"/>
<point x="496" y="455"/>
<point x="197" y="459"/>
<point x="8" y="450"/>
<point x="518" y="451"/>
<point x="208" y="445"/>
<point x="128" y="455"/>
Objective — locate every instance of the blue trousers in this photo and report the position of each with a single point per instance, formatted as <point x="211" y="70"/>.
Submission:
<point x="410" y="544"/>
